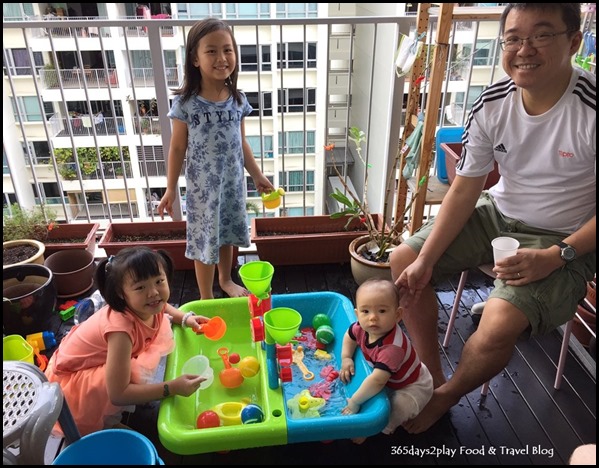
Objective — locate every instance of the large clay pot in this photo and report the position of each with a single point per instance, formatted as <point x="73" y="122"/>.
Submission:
<point x="73" y="271"/>
<point x="361" y="268"/>
<point x="29" y="301"/>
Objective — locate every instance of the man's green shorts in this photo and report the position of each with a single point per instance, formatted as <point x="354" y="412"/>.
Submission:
<point x="547" y="303"/>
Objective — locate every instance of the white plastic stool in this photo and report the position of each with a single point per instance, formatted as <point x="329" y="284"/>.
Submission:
<point x="31" y="407"/>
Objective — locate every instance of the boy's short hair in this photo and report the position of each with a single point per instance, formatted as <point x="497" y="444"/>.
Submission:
<point x="385" y="283"/>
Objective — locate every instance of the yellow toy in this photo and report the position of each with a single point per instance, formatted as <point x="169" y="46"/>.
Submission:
<point x="298" y="359"/>
<point x="304" y="405"/>
<point x="272" y="200"/>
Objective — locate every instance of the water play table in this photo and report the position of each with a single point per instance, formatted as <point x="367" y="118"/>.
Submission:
<point x="177" y="415"/>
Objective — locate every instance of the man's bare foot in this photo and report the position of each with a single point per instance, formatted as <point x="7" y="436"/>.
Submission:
<point x="359" y="440"/>
<point x="232" y="289"/>
<point x="439" y="404"/>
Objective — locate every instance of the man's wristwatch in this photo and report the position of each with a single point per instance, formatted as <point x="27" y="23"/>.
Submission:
<point x="567" y="252"/>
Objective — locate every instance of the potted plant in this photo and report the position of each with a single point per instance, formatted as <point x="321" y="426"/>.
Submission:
<point x="370" y="252"/>
<point x="23" y="234"/>
<point x="39" y="224"/>
<point x="167" y="235"/>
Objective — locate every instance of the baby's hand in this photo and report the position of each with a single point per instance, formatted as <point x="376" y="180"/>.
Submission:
<point x="351" y="408"/>
<point x="347" y="370"/>
<point x="187" y="384"/>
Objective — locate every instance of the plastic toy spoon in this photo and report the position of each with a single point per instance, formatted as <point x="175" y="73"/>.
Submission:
<point x="298" y="358"/>
<point x="230" y="377"/>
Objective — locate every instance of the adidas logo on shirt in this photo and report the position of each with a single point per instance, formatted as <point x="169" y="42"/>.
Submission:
<point x="500" y="148"/>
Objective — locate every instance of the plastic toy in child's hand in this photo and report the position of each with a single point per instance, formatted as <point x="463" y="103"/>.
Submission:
<point x="213" y="329"/>
<point x="272" y="200"/>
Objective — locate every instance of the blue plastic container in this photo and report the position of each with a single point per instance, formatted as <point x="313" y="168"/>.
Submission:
<point x="445" y="135"/>
<point x="110" y="447"/>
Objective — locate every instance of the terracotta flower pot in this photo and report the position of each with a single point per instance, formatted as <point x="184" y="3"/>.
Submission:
<point x="304" y="240"/>
<point x="73" y="271"/>
<point x="29" y="293"/>
<point x="60" y="238"/>
<point x="361" y="268"/>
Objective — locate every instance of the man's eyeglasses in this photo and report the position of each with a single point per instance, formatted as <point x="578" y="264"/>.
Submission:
<point x="514" y="43"/>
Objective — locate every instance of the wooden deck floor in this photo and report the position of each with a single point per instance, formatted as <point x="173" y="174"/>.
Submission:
<point x="523" y="420"/>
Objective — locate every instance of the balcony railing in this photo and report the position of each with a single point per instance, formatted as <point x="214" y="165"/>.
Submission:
<point x="354" y="82"/>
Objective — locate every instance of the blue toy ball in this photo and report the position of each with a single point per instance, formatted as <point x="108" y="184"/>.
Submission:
<point x="252" y="414"/>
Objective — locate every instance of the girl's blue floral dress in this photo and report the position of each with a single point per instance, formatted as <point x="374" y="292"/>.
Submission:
<point x="216" y="213"/>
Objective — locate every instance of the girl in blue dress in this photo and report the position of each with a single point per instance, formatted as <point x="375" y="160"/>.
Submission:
<point x="207" y="120"/>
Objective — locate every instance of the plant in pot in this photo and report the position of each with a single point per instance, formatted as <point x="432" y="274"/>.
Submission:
<point x="167" y="235"/>
<point x="39" y="224"/>
<point x="370" y="252"/>
<point x="23" y="235"/>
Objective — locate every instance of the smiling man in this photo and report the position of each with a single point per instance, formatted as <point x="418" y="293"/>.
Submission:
<point x="539" y="125"/>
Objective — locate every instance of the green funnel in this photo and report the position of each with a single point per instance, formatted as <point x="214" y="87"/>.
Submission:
<point x="256" y="277"/>
<point x="281" y="324"/>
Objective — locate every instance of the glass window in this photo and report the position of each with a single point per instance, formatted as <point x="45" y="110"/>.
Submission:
<point x="292" y="54"/>
<point x="248" y="10"/>
<point x="257" y="149"/>
<point x="265" y="104"/>
<point x="199" y="10"/>
<point x="30" y="108"/>
<point x="19" y="62"/>
<point x="293" y="181"/>
<point x="248" y="58"/>
<point x="292" y="100"/>
<point x="483" y="53"/>
<point x="297" y="10"/>
<point x="295" y="142"/>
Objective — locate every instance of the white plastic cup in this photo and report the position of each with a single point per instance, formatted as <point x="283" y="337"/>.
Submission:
<point x="199" y="365"/>
<point x="504" y="247"/>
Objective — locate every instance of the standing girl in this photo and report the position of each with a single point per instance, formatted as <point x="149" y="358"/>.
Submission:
<point x="104" y="365"/>
<point x="207" y="114"/>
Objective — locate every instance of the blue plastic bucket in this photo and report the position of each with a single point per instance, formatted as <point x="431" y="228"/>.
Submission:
<point x="110" y="447"/>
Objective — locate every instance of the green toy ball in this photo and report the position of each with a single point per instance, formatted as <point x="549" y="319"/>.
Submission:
<point x="319" y="320"/>
<point x="325" y="334"/>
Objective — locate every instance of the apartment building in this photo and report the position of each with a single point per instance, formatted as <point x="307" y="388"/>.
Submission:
<point x="95" y="80"/>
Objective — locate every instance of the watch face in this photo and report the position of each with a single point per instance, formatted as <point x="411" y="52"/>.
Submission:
<point x="568" y="253"/>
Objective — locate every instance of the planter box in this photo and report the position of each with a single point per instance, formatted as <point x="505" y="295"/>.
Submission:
<point x="304" y="240"/>
<point x="453" y="152"/>
<point x="66" y="232"/>
<point x="176" y="247"/>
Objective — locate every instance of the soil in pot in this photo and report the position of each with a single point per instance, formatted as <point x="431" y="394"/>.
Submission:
<point x="22" y="251"/>
<point x="363" y="265"/>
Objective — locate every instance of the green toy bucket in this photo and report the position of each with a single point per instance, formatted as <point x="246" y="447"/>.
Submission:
<point x="15" y="348"/>
<point x="281" y="324"/>
<point x="256" y="277"/>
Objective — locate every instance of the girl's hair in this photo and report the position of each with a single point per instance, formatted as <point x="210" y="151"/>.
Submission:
<point x="570" y="13"/>
<point x="140" y="263"/>
<point x="192" y="80"/>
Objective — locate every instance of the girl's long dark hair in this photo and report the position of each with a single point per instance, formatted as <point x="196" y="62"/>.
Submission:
<point x="192" y="79"/>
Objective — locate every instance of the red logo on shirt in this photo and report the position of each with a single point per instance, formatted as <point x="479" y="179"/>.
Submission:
<point x="565" y="154"/>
